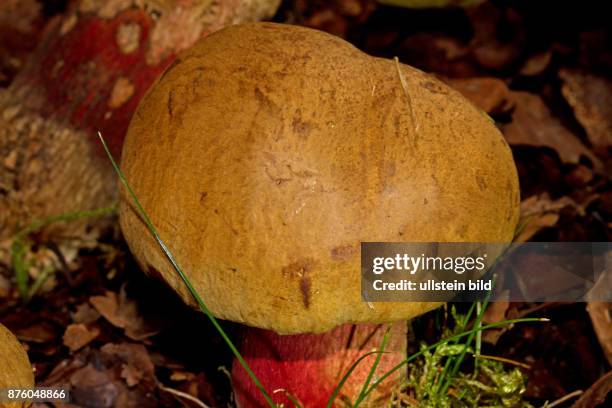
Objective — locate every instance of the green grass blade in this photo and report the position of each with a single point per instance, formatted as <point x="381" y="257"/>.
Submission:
<point x="368" y="380"/>
<point x="143" y="214"/>
<point x="346" y="376"/>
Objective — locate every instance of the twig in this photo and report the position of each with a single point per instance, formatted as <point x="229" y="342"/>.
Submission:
<point x="503" y="360"/>
<point x="563" y="399"/>
<point x="183" y="395"/>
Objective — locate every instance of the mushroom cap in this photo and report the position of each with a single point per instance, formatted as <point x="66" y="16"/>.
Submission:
<point x="266" y="153"/>
<point x="15" y="368"/>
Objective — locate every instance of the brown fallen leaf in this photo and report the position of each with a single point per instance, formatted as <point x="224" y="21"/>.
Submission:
<point x="590" y="96"/>
<point x="93" y="387"/>
<point x="123" y="313"/>
<point x="595" y="395"/>
<point x="85" y="314"/>
<point x="38" y="332"/>
<point x="601" y="317"/>
<point x="534" y="125"/>
<point x="538" y="212"/>
<point x="136" y="364"/>
<point x="79" y="335"/>
<point x="489" y="94"/>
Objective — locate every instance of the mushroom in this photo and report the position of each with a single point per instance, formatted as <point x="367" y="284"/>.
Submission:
<point x="266" y="153"/>
<point x="15" y="369"/>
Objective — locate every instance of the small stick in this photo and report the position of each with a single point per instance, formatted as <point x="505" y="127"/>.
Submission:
<point x="563" y="399"/>
<point x="503" y="360"/>
<point x="183" y="395"/>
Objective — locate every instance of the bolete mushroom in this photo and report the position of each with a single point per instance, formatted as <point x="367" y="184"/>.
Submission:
<point x="266" y="153"/>
<point x="15" y="368"/>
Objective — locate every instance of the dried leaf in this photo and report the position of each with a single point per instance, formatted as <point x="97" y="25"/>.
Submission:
<point x="601" y="317"/>
<point x="534" y="125"/>
<point x="85" y="314"/>
<point x="123" y="313"/>
<point x="488" y="93"/>
<point x="79" y="335"/>
<point x="538" y="212"/>
<point x="39" y="332"/>
<point x="92" y="387"/>
<point x="136" y="363"/>
<point x="596" y="395"/>
<point x="591" y="98"/>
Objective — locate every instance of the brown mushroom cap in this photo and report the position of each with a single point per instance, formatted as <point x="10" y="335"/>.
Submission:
<point x="266" y="153"/>
<point x="15" y="368"/>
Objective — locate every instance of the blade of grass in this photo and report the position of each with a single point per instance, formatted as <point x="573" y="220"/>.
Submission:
<point x="366" y="384"/>
<point x="346" y="376"/>
<point x="448" y="339"/>
<point x="144" y="216"/>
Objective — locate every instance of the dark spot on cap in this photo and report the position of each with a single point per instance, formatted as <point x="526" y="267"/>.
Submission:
<point x="301" y="128"/>
<point x="434" y="87"/>
<point x="305" y="289"/>
<point x="342" y="253"/>
<point x="482" y="184"/>
<point x="300" y="270"/>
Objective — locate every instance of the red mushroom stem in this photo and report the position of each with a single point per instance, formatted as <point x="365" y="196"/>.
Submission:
<point x="308" y="367"/>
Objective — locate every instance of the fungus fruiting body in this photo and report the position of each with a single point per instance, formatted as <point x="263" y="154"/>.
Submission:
<point x="15" y="369"/>
<point x="266" y="153"/>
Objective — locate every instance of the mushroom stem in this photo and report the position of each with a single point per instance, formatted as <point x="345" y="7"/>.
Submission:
<point x="308" y="367"/>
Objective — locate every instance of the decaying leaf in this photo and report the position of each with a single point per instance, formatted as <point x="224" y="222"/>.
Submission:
<point x="534" y="125"/>
<point x="488" y="93"/>
<point x="538" y="212"/>
<point x="93" y="387"/>
<point x="595" y="395"/>
<point x="79" y="335"/>
<point x="85" y="314"/>
<point x="123" y="313"/>
<point x="136" y="363"/>
<point x="591" y="98"/>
